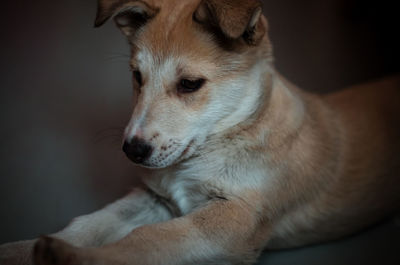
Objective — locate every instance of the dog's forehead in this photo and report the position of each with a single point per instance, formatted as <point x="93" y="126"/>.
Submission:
<point x="172" y="40"/>
<point x="167" y="67"/>
<point x="172" y="30"/>
<point x="173" y="6"/>
<point x="161" y="67"/>
<point x="173" y="12"/>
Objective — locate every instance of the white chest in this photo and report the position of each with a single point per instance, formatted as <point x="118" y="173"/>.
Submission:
<point x="185" y="194"/>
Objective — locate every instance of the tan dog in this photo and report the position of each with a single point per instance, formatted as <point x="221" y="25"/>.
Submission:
<point x="242" y="160"/>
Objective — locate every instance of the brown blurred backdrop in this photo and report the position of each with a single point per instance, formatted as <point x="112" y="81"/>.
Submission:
<point x="65" y="97"/>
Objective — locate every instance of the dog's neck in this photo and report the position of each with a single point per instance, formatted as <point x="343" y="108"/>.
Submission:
<point x="285" y="113"/>
<point x="253" y="97"/>
<point x="279" y="109"/>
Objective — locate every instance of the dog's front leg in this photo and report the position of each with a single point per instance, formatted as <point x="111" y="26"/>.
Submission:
<point x="116" y="220"/>
<point x="223" y="232"/>
<point x="102" y="227"/>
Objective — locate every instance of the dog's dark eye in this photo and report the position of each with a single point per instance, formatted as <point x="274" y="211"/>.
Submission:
<point x="189" y="86"/>
<point x="138" y="77"/>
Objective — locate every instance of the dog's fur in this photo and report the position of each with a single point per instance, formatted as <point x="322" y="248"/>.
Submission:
<point x="245" y="163"/>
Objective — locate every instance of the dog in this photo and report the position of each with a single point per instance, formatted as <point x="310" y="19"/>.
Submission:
<point x="240" y="159"/>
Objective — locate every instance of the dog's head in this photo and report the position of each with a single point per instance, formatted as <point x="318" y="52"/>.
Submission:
<point x="195" y="68"/>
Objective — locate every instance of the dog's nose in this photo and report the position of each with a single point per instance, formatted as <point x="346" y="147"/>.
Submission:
<point x="137" y="150"/>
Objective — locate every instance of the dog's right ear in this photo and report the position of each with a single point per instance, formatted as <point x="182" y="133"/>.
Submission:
<point x="234" y="18"/>
<point x="129" y="15"/>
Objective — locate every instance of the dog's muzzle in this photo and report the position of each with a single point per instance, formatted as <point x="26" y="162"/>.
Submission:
<point x="137" y="150"/>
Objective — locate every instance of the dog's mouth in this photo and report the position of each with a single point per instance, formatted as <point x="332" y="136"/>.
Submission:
<point x="160" y="160"/>
<point x="188" y="148"/>
<point x="186" y="153"/>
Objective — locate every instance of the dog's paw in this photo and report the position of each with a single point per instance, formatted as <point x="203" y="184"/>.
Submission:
<point x="17" y="253"/>
<point x="52" y="251"/>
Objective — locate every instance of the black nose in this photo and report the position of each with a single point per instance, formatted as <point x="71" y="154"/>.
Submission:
<point x="137" y="150"/>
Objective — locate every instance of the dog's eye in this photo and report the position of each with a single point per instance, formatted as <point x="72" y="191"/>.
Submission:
<point x="189" y="86"/>
<point x="138" y="77"/>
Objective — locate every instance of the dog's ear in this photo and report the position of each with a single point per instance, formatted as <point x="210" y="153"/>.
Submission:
<point x="234" y="18"/>
<point x="129" y="15"/>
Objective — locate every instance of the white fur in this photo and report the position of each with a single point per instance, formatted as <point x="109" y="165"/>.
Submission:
<point x="115" y="221"/>
<point x="244" y="96"/>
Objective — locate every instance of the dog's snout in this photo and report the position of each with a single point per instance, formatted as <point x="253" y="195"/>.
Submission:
<point x="137" y="150"/>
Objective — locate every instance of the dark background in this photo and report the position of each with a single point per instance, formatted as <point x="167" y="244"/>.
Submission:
<point x="65" y="98"/>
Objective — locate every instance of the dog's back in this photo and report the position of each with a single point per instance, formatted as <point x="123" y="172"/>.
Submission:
<point x="365" y="123"/>
<point x="370" y="118"/>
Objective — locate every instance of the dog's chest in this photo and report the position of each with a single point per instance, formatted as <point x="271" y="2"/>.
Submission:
<point x="197" y="182"/>
<point x="183" y="194"/>
<point x="187" y="196"/>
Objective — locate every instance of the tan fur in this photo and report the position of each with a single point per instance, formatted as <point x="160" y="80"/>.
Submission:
<point x="294" y="169"/>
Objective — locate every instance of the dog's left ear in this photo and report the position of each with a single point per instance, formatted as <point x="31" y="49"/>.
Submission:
<point x="129" y="15"/>
<point x="234" y="18"/>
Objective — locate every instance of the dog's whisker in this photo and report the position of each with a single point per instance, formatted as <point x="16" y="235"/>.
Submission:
<point x="117" y="57"/>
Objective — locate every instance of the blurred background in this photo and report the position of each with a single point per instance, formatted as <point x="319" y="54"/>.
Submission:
<point x="65" y="97"/>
